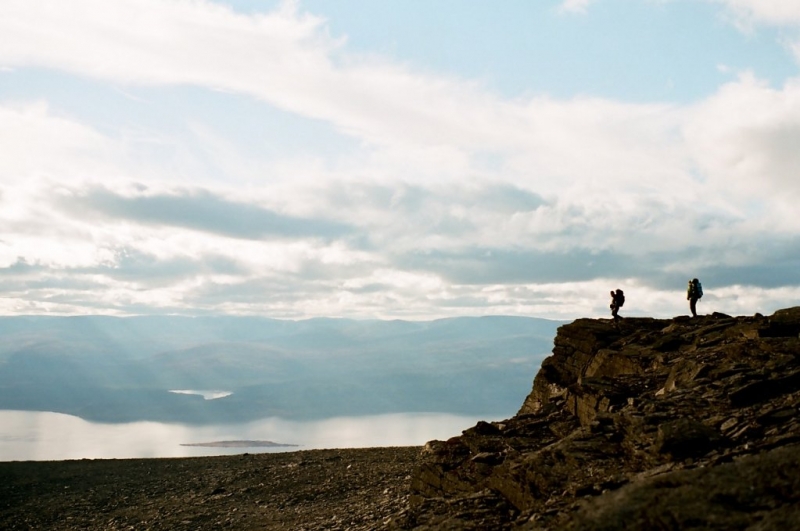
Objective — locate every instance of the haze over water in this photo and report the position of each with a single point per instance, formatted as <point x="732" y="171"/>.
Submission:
<point x="40" y="436"/>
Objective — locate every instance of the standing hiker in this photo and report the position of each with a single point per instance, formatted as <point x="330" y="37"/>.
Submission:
<point x="617" y="300"/>
<point x="694" y="293"/>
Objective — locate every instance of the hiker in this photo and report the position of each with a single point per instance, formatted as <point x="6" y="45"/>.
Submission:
<point x="694" y="293"/>
<point x="617" y="300"/>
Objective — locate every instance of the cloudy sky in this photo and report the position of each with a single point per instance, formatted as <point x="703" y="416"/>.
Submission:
<point x="398" y="158"/>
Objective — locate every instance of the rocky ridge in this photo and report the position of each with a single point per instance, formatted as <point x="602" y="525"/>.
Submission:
<point x="644" y="424"/>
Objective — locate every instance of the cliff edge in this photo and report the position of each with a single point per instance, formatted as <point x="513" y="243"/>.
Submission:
<point x="648" y="424"/>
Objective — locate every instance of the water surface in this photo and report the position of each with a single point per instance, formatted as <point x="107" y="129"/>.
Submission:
<point x="27" y="435"/>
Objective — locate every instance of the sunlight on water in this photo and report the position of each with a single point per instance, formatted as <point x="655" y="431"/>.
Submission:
<point x="208" y="395"/>
<point x="26" y="435"/>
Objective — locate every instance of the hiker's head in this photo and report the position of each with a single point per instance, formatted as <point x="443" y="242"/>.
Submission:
<point x="695" y="281"/>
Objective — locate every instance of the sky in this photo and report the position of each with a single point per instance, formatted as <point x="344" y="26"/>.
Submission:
<point x="398" y="159"/>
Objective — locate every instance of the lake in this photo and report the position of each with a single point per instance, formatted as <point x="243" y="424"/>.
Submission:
<point x="40" y="436"/>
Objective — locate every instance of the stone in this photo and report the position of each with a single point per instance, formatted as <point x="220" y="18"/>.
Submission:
<point x="759" y="492"/>
<point x="654" y="423"/>
<point x="783" y="323"/>
<point x="685" y="437"/>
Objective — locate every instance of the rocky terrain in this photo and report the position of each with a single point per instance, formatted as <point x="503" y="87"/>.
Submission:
<point x="689" y="423"/>
<point x="357" y="489"/>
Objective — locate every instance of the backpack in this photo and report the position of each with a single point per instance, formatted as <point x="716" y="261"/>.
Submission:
<point x="620" y="298"/>
<point x="699" y="290"/>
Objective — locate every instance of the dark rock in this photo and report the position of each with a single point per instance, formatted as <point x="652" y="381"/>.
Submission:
<point x="484" y="428"/>
<point x="685" y="437"/>
<point x="759" y="492"/>
<point x="767" y="389"/>
<point x="783" y="323"/>
<point x="668" y="343"/>
<point x="778" y="416"/>
<point x="649" y="424"/>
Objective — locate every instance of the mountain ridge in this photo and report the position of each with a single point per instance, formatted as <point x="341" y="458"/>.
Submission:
<point x="684" y="423"/>
<point x="121" y="369"/>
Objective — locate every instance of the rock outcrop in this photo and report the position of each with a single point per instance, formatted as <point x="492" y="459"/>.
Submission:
<point x="646" y="424"/>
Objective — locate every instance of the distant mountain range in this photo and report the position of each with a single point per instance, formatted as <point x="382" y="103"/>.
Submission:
<point x="122" y="369"/>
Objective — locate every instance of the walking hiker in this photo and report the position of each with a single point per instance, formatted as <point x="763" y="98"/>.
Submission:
<point x="694" y="293"/>
<point x="617" y="300"/>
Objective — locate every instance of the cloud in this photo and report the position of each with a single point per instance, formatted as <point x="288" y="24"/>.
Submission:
<point x="283" y="57"/>
<point x="527" y="266"/>
<point x="774" y="267"/>
<point x="287" y="59"/>
<point x="411" y="216"/>
<point x="152" y="272"/>
<point x="777" y="12"/>
<point x="575" y="6"/>
<point x="454" y="201"/>
<point x="744" y="138"/>
<point x="198" y="210"/>
<point x="34" y="142"/>
<point x="747" y="15"/>
<point x="20" y="267"/>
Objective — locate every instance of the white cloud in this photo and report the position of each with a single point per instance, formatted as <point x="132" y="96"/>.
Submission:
<point x="451" y="188"/>
<point x="744" y="138"/>
<point x="36" y="143"/>
<point x="575" y="6"/>
<point x="286" y="59"/>
<point x="623" y="188"/>
<point x="418" y="127"/>
<point x="748" y="14"/>
<point x="282" y="57"/>
<point x="778" y="12"/>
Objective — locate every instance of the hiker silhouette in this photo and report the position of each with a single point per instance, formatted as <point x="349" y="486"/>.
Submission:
<point x="617" y="300"/>
<point x="693" y="294"/>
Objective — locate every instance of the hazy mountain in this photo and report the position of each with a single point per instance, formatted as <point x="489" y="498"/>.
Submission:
<point x="122" y="369"/>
